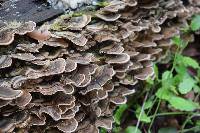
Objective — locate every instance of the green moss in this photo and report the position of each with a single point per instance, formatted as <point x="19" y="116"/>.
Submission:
<point x="55" y="26"/>
<point x="77" y="14"/>
<point x="60" y="25"/>
<point x="14" y="24"/>
<point x="103" y="3"/>
<point x="11" y="25"/>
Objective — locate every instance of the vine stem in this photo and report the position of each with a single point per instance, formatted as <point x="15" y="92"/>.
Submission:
<point x="187" y="120"/>
<point x="141" y="112"/>
<point x="154" y="115"/>
<point x="190" y="129"/>
<point x="169" y="113"/>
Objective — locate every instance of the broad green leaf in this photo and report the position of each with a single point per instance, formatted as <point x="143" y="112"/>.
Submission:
<point x="177" y="40"/>
<point x="148" y="104"/>
<point x="166" y="75"/>
<point x="132" y="129"/>
<point x="164" y="94"/>
<point x="182" y="104"/>
<point x="195" y="24"/>
<point x="186" y="85"/>
<point x="150" y="81"/>
<point x="143" y="116"/>
<point x="177" y="79"/>
<point x="168" y="130"/>
<point x="119" y="112"/>
<point x="187" y="61"/>
<point x="167" y="79"/>
<point x="173" y="89"/>
<point x="181" y="69"/>
<point x="103" y="130"/>
<point x="116" y="129"/>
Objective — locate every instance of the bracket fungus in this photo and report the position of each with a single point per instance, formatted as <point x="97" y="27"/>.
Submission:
<point x="71" y="78"/>
<point x="9" y="29"/>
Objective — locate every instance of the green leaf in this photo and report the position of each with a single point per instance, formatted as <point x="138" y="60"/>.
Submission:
<point x="103" y="130"/>
<point x="187" y="61"/>
<point x="164" y="94"/>
<point x="173" y="89"/>
<point x="195" y="23"/>
<point x="186" y="85"/>
<point x="132" y="129"/>
<point x="167" y="79"/>
<point x="168" y="130"/>
<point x="166" y="75"/>
<point x="116" y="129"/>
<point x="150" y="81"/>
<point x="181" y="70"/>
<point x="119" y="112"/>
<point x="177" y="40"/>
<point x="143" y="117"/>
<point x="177" y="79"/>
<point x="148" y="104"/>
<point x="182" y="104"/>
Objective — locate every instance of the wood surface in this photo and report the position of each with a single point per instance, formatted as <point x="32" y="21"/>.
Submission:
<point x="27" y="10"/>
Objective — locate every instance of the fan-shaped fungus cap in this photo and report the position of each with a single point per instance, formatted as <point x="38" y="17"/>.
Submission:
<point x="55" y="67"/>
<point x="68" y="126"/>
<point x="32" y="47"/>
<point x="40" y="34"/>
<point x="7" y="93"/>
<point x="9" y="29"/>
<point x="5" y="61"/>
<point x="77" y="23"/>
<point x="70" y="78"/>
<point x="76" y="38"/>
<point x="108" y="17"/>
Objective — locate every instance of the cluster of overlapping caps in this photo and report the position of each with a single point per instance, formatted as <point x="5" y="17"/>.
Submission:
<point x="70" y="74"/>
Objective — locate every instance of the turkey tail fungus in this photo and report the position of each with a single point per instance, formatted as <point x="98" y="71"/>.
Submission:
<point x="70" y="73"/>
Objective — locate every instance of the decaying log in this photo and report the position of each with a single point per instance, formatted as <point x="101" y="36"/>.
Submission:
<point x="27" y="10"/>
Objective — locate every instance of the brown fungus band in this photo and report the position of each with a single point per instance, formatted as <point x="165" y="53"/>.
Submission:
<point x="69" y="75"/>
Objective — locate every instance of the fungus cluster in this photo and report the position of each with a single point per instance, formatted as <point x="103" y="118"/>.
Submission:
<point x="70" y="75"/>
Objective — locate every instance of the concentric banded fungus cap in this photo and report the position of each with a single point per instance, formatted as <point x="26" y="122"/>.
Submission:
<point x="7" y="93"/>
<point x="9" y="29"/>
<point x="5" y="61"/>
<point x="55" y="67"/>
<point x="70" y="78"/>
<point x="108" y="17"/>
<point x="77" y="23"/>
<point x="76" y="38"/>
